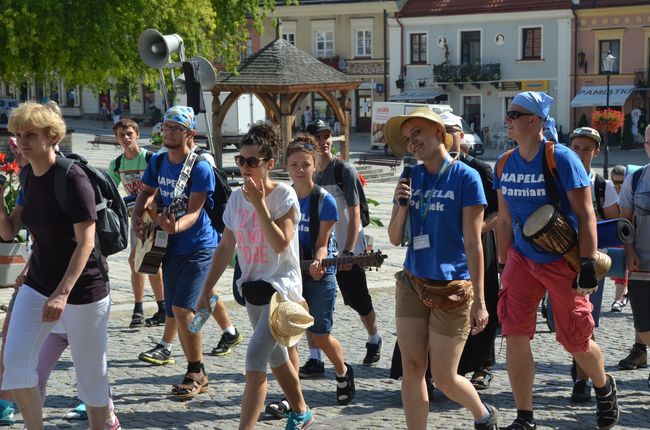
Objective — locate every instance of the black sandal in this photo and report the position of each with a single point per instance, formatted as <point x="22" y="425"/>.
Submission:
<point x="279" y="409"/>
<point x="481" y="379"/>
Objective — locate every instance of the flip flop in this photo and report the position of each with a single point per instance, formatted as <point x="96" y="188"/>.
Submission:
<point x="279" y="409"/>
<point x="481" y="379"/>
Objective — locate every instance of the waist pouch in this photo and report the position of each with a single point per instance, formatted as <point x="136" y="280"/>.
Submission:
<point x="441" y="294"/>
<point x="257" y="293"/>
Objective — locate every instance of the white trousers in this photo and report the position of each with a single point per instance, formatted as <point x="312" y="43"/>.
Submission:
<point x="86" y="327"/>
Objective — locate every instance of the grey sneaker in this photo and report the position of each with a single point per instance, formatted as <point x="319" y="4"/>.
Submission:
<point x="137" y="320"/>
<point x="227" y="343"/>
<point x="607" y="410"/>
<point x="157" y="355"/>
<point x="491" y="423"/>
<point x="521" y="424"/>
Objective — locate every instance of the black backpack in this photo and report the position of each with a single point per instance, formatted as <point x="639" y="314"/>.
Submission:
<point x="599" y="192"/>
<point x="118" y="161"/>
<point x="222" y="191"/>
<point x="112" y="227"/>
<point x="364" y="209"/>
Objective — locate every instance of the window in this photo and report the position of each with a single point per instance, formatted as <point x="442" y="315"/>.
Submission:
<point x="363" y="47"/>
<point x="324" y="44"/>
<point x="290" y="37"/>
<point x="470" y="47"/>
<point x="532" y="43"/>
<point x="607" y="46"/>
<point x="247" y="50"/>
<point x="418" y="48"/>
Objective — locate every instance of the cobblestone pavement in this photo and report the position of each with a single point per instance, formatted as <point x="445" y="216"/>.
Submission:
<point x="141" y="392"/>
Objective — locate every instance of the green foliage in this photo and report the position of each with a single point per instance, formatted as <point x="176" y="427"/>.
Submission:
<point x="86" y="42"/>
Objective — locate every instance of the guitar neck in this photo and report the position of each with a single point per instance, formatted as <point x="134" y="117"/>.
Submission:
<point x="329" y="262"/>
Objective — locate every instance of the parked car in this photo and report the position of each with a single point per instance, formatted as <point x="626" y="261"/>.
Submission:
<point x="473" y="140"/>
<point x="6" y="106"/>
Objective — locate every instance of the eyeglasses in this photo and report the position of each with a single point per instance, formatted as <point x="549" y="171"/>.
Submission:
<point x="514" y="114"/>
<point x="250" y="161"/>
<point x="173" y="128"/>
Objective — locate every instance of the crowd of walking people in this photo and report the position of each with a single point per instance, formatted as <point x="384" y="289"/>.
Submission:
<point x="481" y="252"/>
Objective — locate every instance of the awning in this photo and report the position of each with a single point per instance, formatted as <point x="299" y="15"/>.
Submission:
<point x="597" y="95"/>
<point x="417" y="95"/>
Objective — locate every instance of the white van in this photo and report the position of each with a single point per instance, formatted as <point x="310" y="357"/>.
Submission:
<point x="382" y="111"/>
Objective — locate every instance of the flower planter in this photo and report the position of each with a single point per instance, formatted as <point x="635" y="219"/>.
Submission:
<point x="13" y="257"/>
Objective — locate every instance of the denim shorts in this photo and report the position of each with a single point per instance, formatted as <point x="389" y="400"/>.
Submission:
<point x="321" y="297"/>
<point x="183" y="277"/>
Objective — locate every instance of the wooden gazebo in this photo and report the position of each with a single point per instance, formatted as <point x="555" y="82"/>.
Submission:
<point x="281" y="76"/>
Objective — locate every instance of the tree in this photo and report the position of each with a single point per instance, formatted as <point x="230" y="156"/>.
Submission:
<point x="86" y="42"/>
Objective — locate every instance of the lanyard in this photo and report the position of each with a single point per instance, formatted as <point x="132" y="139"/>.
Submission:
<point x="424" y="210"/>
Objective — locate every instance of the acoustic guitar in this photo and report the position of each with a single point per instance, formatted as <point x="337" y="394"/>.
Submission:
<point x="150" y="251"/>
<point x="367" y="259"/>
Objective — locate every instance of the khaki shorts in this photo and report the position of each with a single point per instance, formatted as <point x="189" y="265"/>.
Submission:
<point x="448" y="322"/>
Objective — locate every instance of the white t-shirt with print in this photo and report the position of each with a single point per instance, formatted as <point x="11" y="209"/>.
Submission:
<point x="257" y="259"/>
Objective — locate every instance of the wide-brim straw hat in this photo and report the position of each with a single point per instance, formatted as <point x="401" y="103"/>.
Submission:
<point x="288" y="320"/>
<point x="393" y="133"/>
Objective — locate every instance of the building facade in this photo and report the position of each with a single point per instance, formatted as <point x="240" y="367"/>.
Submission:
<point x="620" y="28"/>
<point x="476" y="56"/>
<point x="349" y="36"/>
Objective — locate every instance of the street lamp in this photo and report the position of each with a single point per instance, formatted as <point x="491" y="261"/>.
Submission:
<point x="608" y="66"/>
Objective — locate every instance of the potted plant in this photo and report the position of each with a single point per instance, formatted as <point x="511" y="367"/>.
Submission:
<point x="13" y="253"/>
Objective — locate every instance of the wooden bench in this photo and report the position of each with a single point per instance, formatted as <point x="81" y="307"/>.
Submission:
<point x="104" y="139"/>
<point x="380" y="160"/>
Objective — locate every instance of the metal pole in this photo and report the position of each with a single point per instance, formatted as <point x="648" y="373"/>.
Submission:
<point x="606" y="160"/>
<point x="163" y="87"/>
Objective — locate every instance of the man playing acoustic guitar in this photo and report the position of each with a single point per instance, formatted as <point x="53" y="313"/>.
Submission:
<point x="191" y="238"/>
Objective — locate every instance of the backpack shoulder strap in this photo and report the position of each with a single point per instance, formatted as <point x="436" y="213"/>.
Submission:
<point x="63" y="166"/>
<point x="549" y="168"/>
<point x="315" y="204"/>
<point x="338" y="173"/>
<point x="502" y="162"/>
<point x="549" y="152"/>
<point x="147" y="156"/>
<point x="599" y="192"/>
<point x="159" y="161"/>
<point x="118" y="163"/>
<point x="636" y="177"/>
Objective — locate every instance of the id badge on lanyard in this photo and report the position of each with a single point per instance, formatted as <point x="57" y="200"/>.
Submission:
<point x="422" y="240"/>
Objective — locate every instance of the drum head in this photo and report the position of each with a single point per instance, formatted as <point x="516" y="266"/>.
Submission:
<point x="538" y="220"/>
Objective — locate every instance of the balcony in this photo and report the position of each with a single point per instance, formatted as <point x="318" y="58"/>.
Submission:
<point x="642" y="78"/>
<point x="460" y="74"/>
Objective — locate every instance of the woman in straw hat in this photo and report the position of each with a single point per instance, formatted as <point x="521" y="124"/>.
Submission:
<point x="261" y="218"/>
<point x="434" y="307"/>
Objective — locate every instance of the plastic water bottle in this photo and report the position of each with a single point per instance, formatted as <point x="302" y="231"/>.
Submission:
<point x="201" y="317"/>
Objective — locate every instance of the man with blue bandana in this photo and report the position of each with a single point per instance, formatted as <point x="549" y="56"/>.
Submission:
<point x="521" y="188"/>
<point x="191" y="241"/>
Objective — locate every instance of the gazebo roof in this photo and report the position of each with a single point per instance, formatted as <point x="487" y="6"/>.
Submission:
<point x="280" y="67"/>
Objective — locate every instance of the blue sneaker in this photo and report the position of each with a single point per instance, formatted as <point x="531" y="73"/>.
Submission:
<point x="77" y="414"/>
<point x="7" y="410"/>
<point x="299" y="421"/>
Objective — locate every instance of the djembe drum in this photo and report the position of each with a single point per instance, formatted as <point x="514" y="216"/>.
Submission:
<point x="551" y="231"/>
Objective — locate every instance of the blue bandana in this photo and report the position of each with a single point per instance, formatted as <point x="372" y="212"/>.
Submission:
<point x="184" y="115"/>
<point x="540" y="104"/>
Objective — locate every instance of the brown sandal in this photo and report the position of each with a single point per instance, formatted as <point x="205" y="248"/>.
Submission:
<point x="193" y="384"/>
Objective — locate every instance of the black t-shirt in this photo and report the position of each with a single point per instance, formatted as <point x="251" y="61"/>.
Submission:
<point x="53" y="234"/>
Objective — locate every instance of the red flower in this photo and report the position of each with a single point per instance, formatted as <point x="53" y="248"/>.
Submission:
<point x="11" y="168"/>
<point x="608" y="120"/>
<point x="2" y="157"/>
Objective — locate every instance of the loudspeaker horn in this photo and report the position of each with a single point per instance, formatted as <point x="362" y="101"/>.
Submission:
<point x="207" y="77"/>
<point x="155" y="49"/>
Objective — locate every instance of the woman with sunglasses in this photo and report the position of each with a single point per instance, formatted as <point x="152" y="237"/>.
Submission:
<point x="262" y="218"/>
<point x="318" y="215"/>
<point x="444" y="205"/>
<point x="64" y="282"/>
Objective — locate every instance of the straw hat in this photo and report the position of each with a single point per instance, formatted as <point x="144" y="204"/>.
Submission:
<point x="288" y="320"/>
<point x="393" y="134"/>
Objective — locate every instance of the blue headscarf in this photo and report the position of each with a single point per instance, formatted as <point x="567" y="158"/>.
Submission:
<point x="540" y="104"/>
<point x="183" y="115"/>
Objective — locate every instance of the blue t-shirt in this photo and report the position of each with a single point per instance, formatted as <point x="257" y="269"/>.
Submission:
<point x="201" y="234"/>
<point x="327" y="212"/>
<point x="523" y="187"/>
<point x="445" y="259"/>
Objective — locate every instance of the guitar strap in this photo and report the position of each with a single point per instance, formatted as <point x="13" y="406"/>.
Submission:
<point x="181" y="182"/>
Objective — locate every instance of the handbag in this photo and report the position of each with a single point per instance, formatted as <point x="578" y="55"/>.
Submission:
<point x="442" y="295"/>
<point x="257" y="293"/>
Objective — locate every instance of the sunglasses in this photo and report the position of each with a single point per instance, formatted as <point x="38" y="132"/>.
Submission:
<point x="514" y="114"/>
<point x="173" y="128"/>
<point x="452" y="129"/>
<point x="250" y="161"/>
<point x="617" y="182"/>
<point x="300" y="144"/>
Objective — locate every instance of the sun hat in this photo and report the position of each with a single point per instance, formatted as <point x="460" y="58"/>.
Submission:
<point x="393" y="133"/>
<point x="288" y="320"/>
<point x="317" y="126"/>
<point x="587" y="132"/>
<point x="184" y="115"/>
<point x="451" y="120"/>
